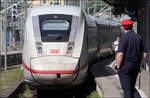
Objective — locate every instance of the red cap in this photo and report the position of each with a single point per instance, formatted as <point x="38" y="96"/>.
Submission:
<point x="126" y="23"/>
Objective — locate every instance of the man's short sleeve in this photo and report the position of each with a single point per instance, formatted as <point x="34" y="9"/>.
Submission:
<point x="122" y="44"/>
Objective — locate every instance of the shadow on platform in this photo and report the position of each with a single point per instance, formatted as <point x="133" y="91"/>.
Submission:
<point x="99" y="69"/>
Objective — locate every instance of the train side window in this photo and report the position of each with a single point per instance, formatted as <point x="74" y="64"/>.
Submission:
<point x="74" y="27"/>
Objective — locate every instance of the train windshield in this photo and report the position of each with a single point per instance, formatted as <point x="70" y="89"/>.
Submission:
<point x="55" y="28"/>
<point x="55" y="25"/>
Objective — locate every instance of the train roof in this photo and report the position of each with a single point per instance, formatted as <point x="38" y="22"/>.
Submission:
<point x="90" y="21"/>
<point x="55" y="9"/>
<point x="103" y="21"/>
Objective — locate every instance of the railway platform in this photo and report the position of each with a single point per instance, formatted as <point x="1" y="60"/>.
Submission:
<point x="13" y="57"/>
<point x="12" y="89"/>
<point x="108" y="84"/>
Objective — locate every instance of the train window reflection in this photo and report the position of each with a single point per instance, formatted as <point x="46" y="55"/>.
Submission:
<point x="55" y="29"/>
<point x="55" y="25"/>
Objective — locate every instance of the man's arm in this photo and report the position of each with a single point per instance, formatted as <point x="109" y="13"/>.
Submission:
<point x="143" y="58"/>
<point x="119" y="59"/>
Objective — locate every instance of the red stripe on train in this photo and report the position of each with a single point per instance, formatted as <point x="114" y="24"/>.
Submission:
<point x="52" y="71"/>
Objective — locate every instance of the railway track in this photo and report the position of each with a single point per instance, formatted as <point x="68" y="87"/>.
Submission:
<point x="81" y="91"/>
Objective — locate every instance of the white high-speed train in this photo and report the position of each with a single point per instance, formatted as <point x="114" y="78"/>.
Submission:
<point x="59" y="44"/>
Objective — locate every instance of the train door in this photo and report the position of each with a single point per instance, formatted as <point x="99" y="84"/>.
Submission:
<point x="143" y="26"/>
<point x="149" y="37"/>
<point x="99" y="38"/>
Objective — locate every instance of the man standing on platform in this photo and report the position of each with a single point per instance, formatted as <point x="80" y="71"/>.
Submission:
<point x="131" y="55"/>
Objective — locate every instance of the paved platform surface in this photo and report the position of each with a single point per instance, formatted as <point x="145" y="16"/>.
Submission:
<point x="108" y="84"/>
<point x="11" y="88"/>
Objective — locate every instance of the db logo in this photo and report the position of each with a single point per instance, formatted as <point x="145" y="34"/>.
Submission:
<point x="54" y="51"/>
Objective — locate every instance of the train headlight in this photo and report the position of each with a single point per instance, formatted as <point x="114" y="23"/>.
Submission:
<point x="39" y="48"/>
<point x="69" y="51"/>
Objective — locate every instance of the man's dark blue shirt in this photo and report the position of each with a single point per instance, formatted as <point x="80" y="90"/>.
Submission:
<point x="131" y="44"/>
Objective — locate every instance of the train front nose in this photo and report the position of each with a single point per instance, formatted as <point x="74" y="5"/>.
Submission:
<point x="54" y="63"/>
<point x="53" y="70"/>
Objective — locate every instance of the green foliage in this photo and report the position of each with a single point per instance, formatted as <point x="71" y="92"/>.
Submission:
<point x="26" y="90"/>
<point x="94" y="6"/>
<point x="93" y="94"/>
<point x="91" y="10"/>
